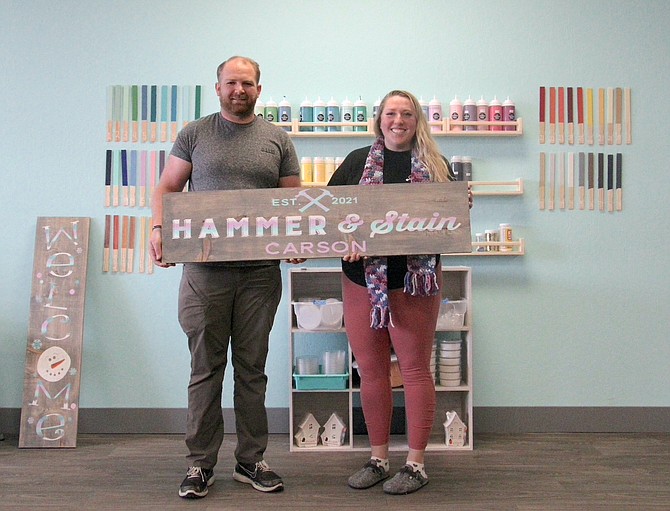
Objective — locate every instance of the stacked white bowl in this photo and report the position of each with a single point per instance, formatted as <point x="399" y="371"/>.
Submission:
<point x="449" y="363"/>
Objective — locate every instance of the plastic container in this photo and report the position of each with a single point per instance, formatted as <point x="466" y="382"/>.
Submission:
<point x="333" y="114"/>
<point x="509" y="113"/>
<point x="456" y="113"/>
<point x="319" y="314"/>
<point x="306" y="170"/>
<point x="306" y="114"/>
<point x="469" y="113"/>
<point x="334" y="362"/>
<point x="347" y="114"/>
<point x="321" y="381"/>
<point x="319" y="108"/>
<point x="482" y="113"/>
<point x="452" y="314"/>
<point x="319" y="169"/>
<point x="360" y="114"/>
<point x="259" y="108"/>
<point x="457" y="168"/>
<point x="435" y="113"/>
<point x="506" y="235"/>
<point x="307" y="365"/>
<point x="284" y="112"/>
<point x="495" y="113"/>
<point x="467" y="168"/>
<point x="271" y="111"/>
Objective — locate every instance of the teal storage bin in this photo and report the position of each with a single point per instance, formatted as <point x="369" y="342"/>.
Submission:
<point x="321" y="381"/>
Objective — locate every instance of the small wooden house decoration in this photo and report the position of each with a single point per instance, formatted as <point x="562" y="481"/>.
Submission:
<point x="308" y="432"/>
<point x="334" y="431"/>
<point x="454" y="430"/>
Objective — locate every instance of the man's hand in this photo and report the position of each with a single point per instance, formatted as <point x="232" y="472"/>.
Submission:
<point x="156" y="248"/>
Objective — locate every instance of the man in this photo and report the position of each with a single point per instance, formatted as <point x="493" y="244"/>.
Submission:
<point x="233" y="302"/>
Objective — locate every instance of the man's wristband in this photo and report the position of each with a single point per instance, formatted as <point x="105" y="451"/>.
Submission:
<point x="156" y="227"/>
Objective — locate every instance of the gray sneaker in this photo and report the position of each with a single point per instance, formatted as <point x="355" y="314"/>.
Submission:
<point x="404" y="482"/>
<point x="368" y="476"/>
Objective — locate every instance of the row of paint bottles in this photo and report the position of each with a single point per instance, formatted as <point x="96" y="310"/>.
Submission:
<point x="461" y="166"/>
<point x="318" y="169"/>
<point x="482" y="110"/>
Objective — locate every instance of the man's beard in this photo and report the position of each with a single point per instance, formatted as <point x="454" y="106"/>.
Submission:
<point x="238" y="109"/>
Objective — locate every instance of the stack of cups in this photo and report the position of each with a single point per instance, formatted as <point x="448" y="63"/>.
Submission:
<point x="333" y="362"/>
<point x="449" y="363"/>
<point x="307" y="365"/>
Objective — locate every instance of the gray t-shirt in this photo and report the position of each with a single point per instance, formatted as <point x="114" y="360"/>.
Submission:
<point x="229" y="156"/>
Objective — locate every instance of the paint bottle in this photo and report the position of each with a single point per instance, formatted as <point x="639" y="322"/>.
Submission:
<point x="306" y="114"/>
<point x="455" y="114"/>
<point x="509" y="113"/>
<point x="333" y="114"/>
<point x="495" y="113"/>
<point x="482" y="113"/>
<point x="375" y="107"/>
<point x="424" y="107"/>
<point x="319" y="170"/>
<point x="360" y="114"/>
<point x="347" y="113"/>
<point x="319" y="113"/>
<point x="469" y="113"/>
<point x="284" y="112"/>
<point x="259" y="108"/>
<point x="306" y="169"/>
<point x="505" y="235"/>
<point x="457" y="168"/>
<point x="271" y="111"/>
<point x="330" y="167"/>
<point x="479" y="238"/>
<point x="466" y="162"/>
<point x="435" y="114"/>
<point x="491" y="236"/>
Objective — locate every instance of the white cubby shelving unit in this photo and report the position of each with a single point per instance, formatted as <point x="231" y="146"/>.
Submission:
<point x="325" y="282"/>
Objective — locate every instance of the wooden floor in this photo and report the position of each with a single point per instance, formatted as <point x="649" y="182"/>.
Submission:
<point x="508" y="472"/>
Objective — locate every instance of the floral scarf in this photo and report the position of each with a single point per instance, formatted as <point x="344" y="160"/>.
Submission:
<point x="420" y="279"/>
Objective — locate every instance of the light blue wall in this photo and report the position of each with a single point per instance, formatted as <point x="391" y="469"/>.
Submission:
<point x="581" y="320"/>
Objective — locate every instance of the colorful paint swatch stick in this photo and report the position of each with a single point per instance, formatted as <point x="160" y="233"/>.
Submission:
<point x="198" y="101"/>
<point x="143" y="243"/>
<point x="110" y="113"/>
<point x="134" y="115"/>
<point x="561" y="182"/>
<point x="164" y="112"/>
<point x="589" y="116"/>
<point x="108" y="178"/>
<point x="132" y="178"/>
<point x="105" y="252"/>
<point x="124" y="175"/>
<point x="580" y="114"/>
<point x="601" y="181"/>
<point x="610" y="182"/>
<point x="601" y="116"/>
<point x="174" y="101"/>
<point x="144" y="113"/>
<point x="153" y="112"/>
<point x="125" y="114"/>
<point x="552" y="180"/>
<point x="571" y="119"/>
<point x="561" y="115"/>
<point x="571" y="180"/>
<point x="543" y="92"/>
<point x="115" y="245"/>
<point x="118" y="112"/>
<point x="629" y="123"/>
<point x="131" y="245"/>
<point x="610" y="115"/>
<point x="591" y="181"/>
<point x="143" y="178"/>
<point x="116" y="171"/>
<point x="124" y="242"/>
<point x="542" y="178"/>
<point x="186" y="108"/>
<point x="582" y="172"/>
<point x="552" y="115"/>
<point x="618" y="112"/>
<point x="619" y="186"/>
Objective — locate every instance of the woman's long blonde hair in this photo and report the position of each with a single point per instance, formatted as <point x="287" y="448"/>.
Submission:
<point x="423" y="142"/>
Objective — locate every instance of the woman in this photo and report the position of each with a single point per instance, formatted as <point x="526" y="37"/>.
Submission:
<point x="392" y="303"/>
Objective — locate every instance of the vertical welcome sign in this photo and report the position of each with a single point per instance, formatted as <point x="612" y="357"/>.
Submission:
<point x="50" y="411"/>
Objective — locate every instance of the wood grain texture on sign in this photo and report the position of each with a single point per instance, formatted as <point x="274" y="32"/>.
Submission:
<point x="50" y="410"/>
<point x="282" y="223"/>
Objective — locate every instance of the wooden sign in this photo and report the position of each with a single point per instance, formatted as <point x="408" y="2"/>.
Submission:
<point x="283" y="223"/>
<point x="50" y="410"/>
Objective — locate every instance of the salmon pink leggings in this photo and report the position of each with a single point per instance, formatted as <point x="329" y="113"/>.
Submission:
<point x="412" y="337"/>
